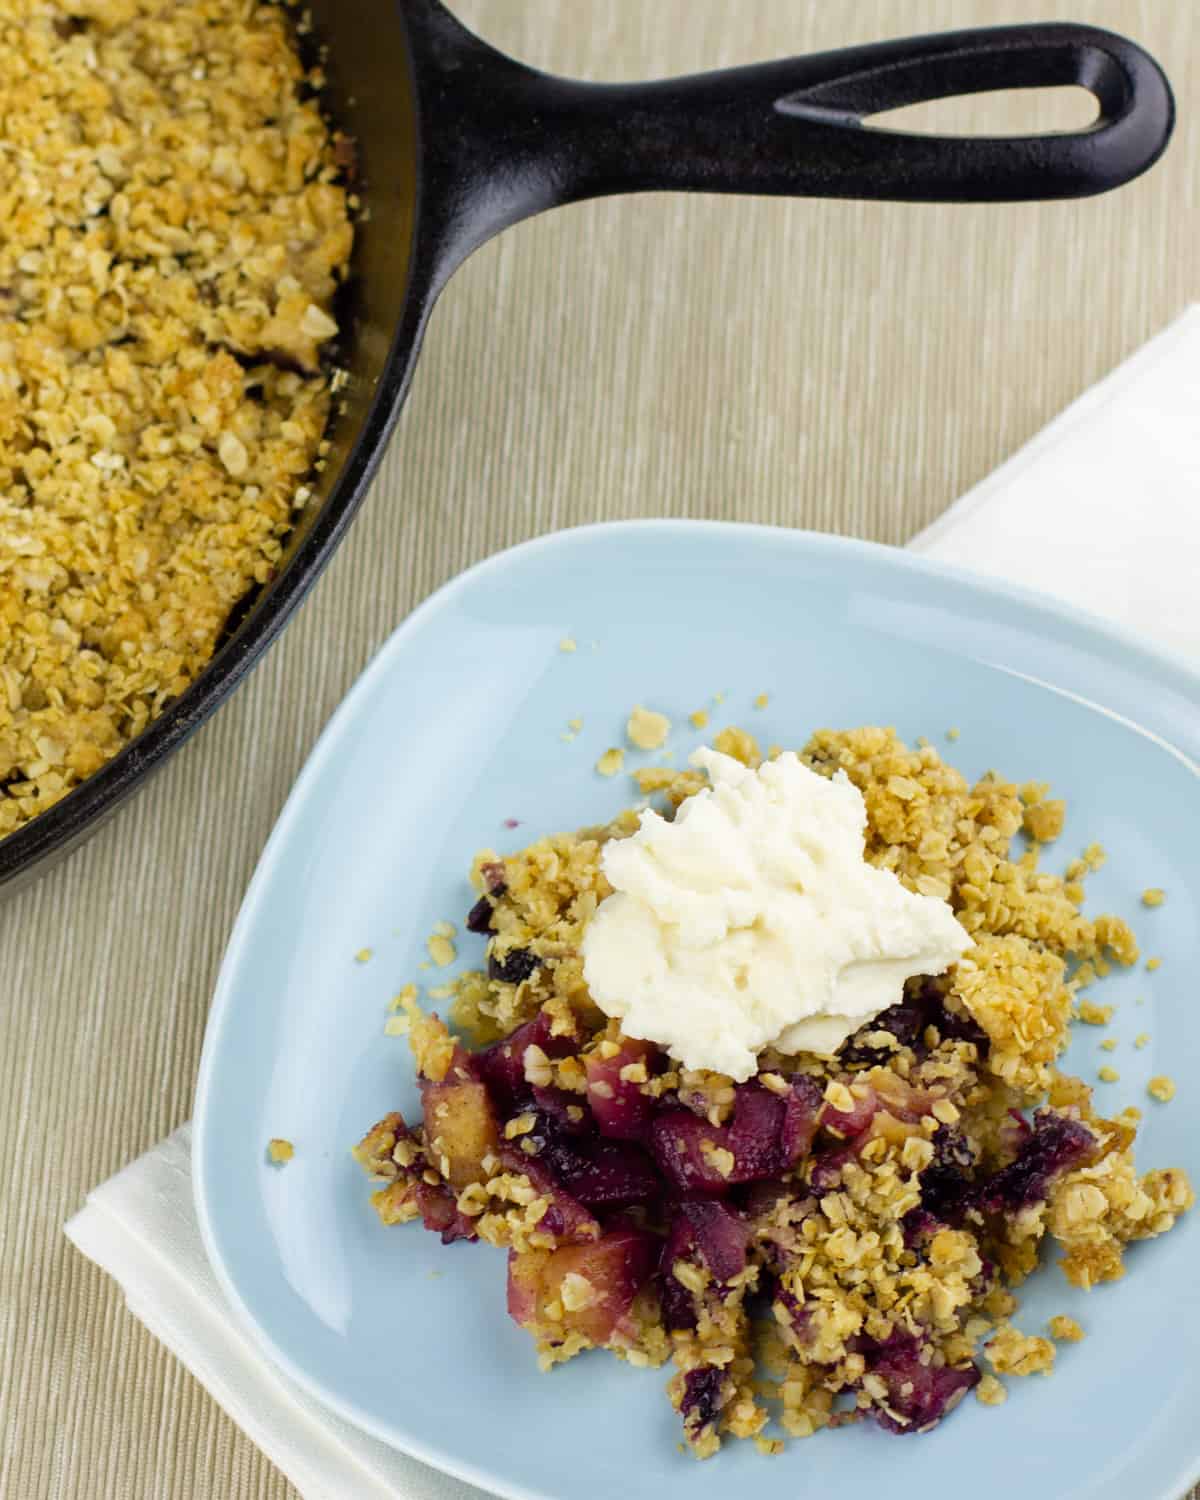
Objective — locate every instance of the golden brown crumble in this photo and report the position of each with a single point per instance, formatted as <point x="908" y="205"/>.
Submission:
<point x="280" y="1150"/>
<point x="1066" y="1330"/>
<point x="174" y="230"/>
<point x="1011" y="1352"/>
<point x="1161" y="1088"/>
<point x="647" y="729"/>
<point x="843" y="1247"/>
<point x="991" y="1391"/>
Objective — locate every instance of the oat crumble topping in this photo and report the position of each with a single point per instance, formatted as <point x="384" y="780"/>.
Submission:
<point x="175" y="227"/>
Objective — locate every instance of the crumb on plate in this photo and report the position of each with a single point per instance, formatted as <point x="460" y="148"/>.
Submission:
<point x="1011" y="1352"/>
<point x="441" y="950"/>
<point x="990" y="1391"/>
<point x="646" y="729"/>
<point x="611" y="761"/>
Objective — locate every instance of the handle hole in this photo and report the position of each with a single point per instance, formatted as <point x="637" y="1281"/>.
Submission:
<point x="997" y="112"/>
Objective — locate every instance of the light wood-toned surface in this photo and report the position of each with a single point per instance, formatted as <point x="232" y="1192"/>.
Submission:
<point x="847" y="367"/>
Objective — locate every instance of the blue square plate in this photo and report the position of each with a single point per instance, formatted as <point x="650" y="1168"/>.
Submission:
<point x="455" y="730"/>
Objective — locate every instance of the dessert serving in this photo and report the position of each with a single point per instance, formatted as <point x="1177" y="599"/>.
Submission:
<point x="176" y="224"/>
<point x="764" y="1083"/>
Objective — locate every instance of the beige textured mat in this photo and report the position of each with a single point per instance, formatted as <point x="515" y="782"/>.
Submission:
<point x="841" y="366"/>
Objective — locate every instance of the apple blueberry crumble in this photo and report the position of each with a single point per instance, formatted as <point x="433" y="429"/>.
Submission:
<point x="832" y="1235"/>
<point x="175" y="225"/>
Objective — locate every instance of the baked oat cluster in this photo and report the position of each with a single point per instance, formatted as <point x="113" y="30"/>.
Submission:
<point x="835" y="1239"/>
<point x="173" y="227"/>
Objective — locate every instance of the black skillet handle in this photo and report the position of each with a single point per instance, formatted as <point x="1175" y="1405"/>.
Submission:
<point x="507" y="141"/>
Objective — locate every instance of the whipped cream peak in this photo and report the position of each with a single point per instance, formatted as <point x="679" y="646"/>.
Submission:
<point x="752" y="919"/>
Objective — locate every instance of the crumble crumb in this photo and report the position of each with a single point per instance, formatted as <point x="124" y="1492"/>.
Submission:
<point x="762" y="700"/>
<point x="396" y="1026"/>
<point x="1065" y="1329"/>
<point x="1153" y="896"/>
<point x="1108" y="1075"/>
<point x="1011" y="1352"/>
<point x="991" y="1392"/>
<point x="953" y="734"/>
<point x="769" y="1447"/>
<point x="1094" y="856"/>
<point x="1109" y="1044"/>
<point x="1044" y="820"/>
<point x="1095" y="1015"/>
<point x="406" y="1000"/>
<point x="575" y="725"/>
<point x="647" y="729"/>
<point x="1141" y="1039"/>
<point x="441" y="950"/>
<point x="568" y="644"/>
<point x="1153" y="963"/>
<point x="364" y="955"/>
<point x="699" y="720"/>
<point x="1162" y="1088"/>
<point x="611" y="761"/>
<point x="280" y="1151"/>
<point x="739" y="744"/>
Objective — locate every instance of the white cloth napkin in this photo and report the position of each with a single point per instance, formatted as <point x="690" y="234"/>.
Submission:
<point x="1103" y="509"/>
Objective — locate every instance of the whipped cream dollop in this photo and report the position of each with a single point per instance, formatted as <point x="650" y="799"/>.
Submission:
<point x="753" y="919"/>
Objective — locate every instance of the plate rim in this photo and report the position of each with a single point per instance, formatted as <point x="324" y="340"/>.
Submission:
<point x="1185" y="679"/>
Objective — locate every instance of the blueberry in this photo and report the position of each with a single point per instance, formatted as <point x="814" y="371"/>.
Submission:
<point x="702" y="1395"/>
<point x="479" y="918"/>
<point x="1056" y="1144"/>
<point x="515" y="966"/>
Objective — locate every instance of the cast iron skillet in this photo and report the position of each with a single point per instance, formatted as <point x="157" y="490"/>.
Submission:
<point x="457" y="141"/>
